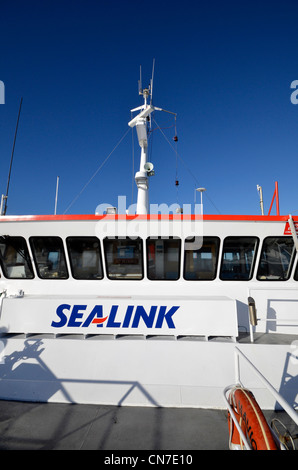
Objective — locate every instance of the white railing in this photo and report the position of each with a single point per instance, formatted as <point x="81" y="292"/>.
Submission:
<point x="283" y="403"/>
<point x="253" y="319"/>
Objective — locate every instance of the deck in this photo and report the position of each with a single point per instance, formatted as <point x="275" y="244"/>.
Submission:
<point x="51" y="426"/>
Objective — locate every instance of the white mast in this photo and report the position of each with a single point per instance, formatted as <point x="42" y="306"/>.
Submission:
<point x="141" y="177"/>
<point x="141" y="123"/>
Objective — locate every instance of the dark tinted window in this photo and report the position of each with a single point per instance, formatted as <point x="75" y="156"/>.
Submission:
<point x="124" y="258"/>
<point x="163" y="258"/>
<point x="200" y="263"/>
<point x="238" y="258"/>
<point x="276" y="259"/>
<point x="15" y="259"/>
<point x="48" y="253"/>
<point x="85" y="257"/>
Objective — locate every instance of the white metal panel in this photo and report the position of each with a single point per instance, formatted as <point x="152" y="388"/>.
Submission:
<point x="157" y="315"/>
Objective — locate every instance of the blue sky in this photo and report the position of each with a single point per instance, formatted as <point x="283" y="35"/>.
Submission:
<point x="225" y="68"/>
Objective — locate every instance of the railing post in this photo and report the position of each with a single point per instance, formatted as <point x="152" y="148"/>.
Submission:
<point x="237" y="367"/>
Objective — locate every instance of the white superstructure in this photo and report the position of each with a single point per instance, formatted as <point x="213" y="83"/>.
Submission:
<point x="144" y="309"/>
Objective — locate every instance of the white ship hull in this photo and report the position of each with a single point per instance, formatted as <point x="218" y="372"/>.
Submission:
<point x="141" y="341"/>
<point x="134" y="372"/>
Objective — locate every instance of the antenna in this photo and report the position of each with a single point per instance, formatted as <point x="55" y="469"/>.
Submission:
<point x="140" y="82"/>
<point x="151" y="81"/>
<point x="56" y="197"/>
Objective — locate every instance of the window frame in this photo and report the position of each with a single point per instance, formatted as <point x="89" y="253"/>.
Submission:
<point x="253" y="264"/>
<point x="69" y="253"/>
<point x="31" y="242"/>
<point x="179" y="257"/>
<point x="27" y="258"/>
<point x="218" y="239"/>
<point x="107" y="264"/>
<point x="291" y="263"/>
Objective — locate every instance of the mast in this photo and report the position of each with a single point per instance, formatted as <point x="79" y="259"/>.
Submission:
<point x="146" y="168"/>
<point x="141" y="123"/>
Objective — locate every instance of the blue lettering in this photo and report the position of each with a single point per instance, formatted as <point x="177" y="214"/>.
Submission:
<point x="167" y="316"/>
<point x="147" y="318"/>
<point x="61" y="315"/>
<point x="97" y="311"/>
<point x="128" y="315"/>
<point x="75" y="314"/>
<point x="133" y="316"/>
<point x="111" y="320"/>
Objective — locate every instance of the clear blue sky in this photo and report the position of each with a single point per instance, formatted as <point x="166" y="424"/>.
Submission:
<point x="225" y="68"/>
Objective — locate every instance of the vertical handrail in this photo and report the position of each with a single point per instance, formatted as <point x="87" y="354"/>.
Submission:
<point x="233" y="416"/>
<point x="285" y="405"/>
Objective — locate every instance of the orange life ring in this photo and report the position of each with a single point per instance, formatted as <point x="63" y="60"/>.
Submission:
<point x="235" y="438"/>
<point x="252" y="421"/>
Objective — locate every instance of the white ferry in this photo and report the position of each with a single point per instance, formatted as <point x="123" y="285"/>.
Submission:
<point x="147" y="309"/>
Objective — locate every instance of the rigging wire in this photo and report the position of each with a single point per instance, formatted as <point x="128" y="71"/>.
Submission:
<point x="98" y="169"/>
<point x="11" y="159"/>
<point x="150" y="144"/>
<point x="176" y="151"/>
<point x="190" y="172"/>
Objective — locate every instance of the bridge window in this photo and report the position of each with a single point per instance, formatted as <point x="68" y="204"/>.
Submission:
<point x="238" y="258"/>
<point x="163" y="258"/>
<point x="200" y="258"/>
<point x="124" y="258"/>
<point x="14" y="258"/>
<point x="276" y="259"/>
<point x="49" y="257"/>
<point x="85" y="257"/>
